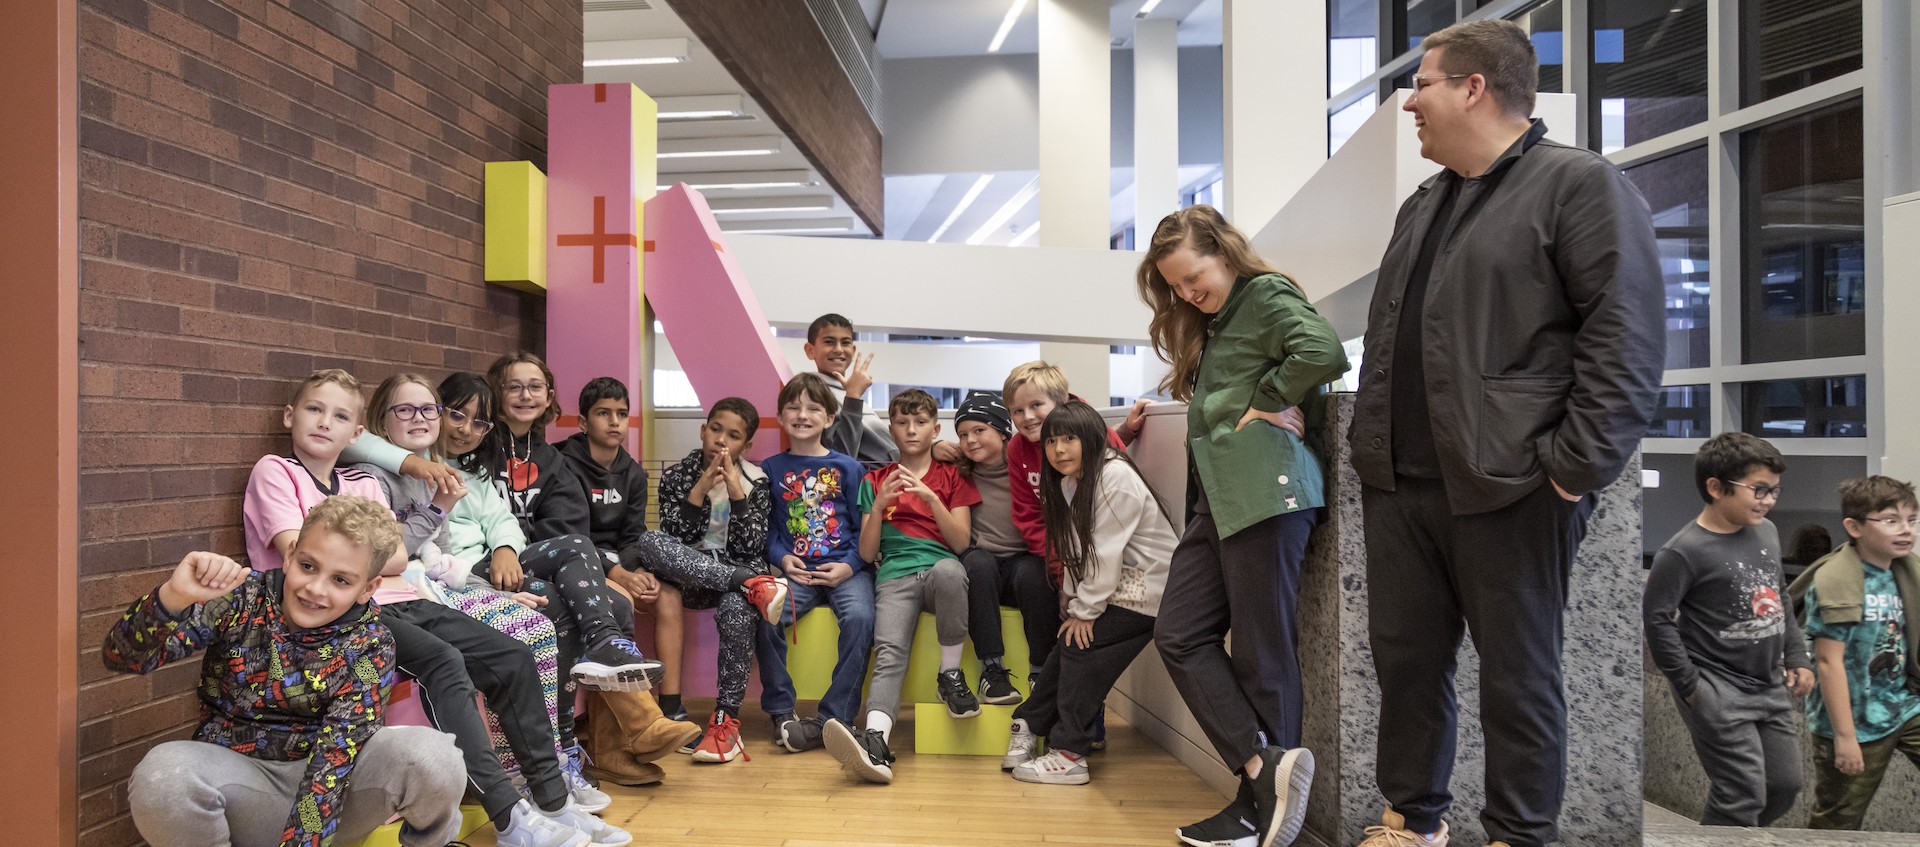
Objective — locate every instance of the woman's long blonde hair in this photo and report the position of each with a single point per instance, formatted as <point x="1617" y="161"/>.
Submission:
<point x="1178" y="330"/>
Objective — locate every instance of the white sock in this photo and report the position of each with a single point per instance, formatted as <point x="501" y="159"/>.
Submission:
<point x="950" y="656"/>
<point x="883" y="722"/>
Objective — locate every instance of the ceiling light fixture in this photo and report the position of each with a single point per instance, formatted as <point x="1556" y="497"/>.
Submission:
<point x="1018" y="201"/>
<point x="790" y="226"/>
<point x="693" y="148"/>
<point x="1146" y="10"/>
<point x="1006" y="25"/>
<point x="966" y="200"/>
<point x="710" y="180"/>
<point x="702" y="107"/>
<point x="637" y="51"/>
<point x="1024" y="235"/>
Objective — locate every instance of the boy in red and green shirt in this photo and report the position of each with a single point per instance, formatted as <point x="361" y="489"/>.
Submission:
<point x="915" y="518"/>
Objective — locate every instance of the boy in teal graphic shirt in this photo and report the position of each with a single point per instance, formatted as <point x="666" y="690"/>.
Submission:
<point x="1867" y="702"/>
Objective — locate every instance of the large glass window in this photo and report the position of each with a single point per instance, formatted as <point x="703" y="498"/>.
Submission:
<point x="1649" y="69"/>
<point x="1676" y="190"/>
<point x="1823" y="407"/>
<point x="1802" y="238"/>
<point x="1353" y="42"/>
<point x="1684" y="411"/>
<point x="1418" y="19"/>
<point x="1544" y="25"/>
<point x="1344" y="123"/>
<point x="1787" y="45"/>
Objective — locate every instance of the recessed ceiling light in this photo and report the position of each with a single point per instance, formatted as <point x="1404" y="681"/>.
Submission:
<point x="1006" y="25"/>
<point x="1018" y="201"/>
<point x="701" y="107"/>
<point x="966" y="200"/>
<point x="690" y="148"/>
<point x="1146" y="10"/>
<point x="635" y="51"/>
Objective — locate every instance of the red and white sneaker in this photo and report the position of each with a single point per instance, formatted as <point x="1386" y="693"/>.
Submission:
<point x="767" y="594"/>
<point x="721" y="744"/>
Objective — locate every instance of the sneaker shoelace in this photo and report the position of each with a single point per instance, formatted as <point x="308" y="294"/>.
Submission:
<point x="576" y="761"/>
<point x="626" y="645"/>
<point x="1390" y="837"/>
<point x="725" y="733"/>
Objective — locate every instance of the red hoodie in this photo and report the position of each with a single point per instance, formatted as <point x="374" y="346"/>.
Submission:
<point x="1024" y="464"/>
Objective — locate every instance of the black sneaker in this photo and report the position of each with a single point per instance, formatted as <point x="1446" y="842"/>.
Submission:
<point x="864" y="751"/>
<point x="1280" y="794"/>
<point x="694" y="743"/>
<point x="1232" y="826"/>
<point x="617" y="665"/>
<point x="996" y="686"/>
<point x="798" y="735"/>
<point x="954" y="692"/>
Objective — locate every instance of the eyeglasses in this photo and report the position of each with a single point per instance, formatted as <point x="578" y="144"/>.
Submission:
<point x="1422" y="81"/>
<point x="531" y="389"/>
<point x="1895" y="523"/>
<point x="468" y="422"/>
<point x="424" y="411"/>
<point x="1760" y="492"/>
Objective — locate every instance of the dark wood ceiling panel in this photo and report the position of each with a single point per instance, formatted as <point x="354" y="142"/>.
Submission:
<point x="776" y="51"/>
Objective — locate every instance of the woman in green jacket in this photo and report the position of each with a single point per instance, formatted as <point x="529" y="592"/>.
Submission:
<point x="1249" y="355"/>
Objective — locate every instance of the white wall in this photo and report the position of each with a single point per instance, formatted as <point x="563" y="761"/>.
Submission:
<point x="1900" y="298"/>
<point x="969" y="114"/>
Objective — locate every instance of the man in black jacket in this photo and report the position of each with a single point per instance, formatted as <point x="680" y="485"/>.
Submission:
<point x="1514" y="348"/>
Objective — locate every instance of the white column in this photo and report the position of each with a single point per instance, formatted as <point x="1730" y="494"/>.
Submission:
<point x="1075" y="123"/>
<point x="1076" y="159"/>
<point x="1275" y="63"/>
<point x="1156" y="125"/>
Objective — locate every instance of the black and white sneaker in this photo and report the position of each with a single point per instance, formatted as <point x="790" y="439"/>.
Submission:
<point x="996" y="687"/>
<point x="1280" y="794"/>
<point x="617" y="666"/>
<point x="954" y="692"/>
<point x="798" y="735"/>
<point x="1233" y="826"/>
<point x="863" y="751"/>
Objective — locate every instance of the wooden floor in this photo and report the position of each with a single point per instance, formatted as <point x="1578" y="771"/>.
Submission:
<point x="1138" y="796"/>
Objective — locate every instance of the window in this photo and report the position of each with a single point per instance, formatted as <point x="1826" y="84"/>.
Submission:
<point x="1787" y="45"/>
<point x="1684" y="411"/>
<point x="1676" y="190"/>
<point x="1353" y="42"/>
<point x="1417" y="19"/>
<point x="1649" y="69"/>
<point x="1544" y="27"/>
<point x="1344" y="123"/>
<point x="1823" y="407"/>
<point x="1802" y="238"/>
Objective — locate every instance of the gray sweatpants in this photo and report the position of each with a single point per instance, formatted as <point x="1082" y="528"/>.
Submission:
<point x="897" y="603"/>
<point x="1749" y="745"/>
<point x="196" y="794"/>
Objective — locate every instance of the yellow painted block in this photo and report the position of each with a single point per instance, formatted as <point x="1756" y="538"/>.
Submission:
<point x="937" y="733"/>
<point x="471" y="819"/>
<point x="516" y="226"/>
<point x="810" y="662"/>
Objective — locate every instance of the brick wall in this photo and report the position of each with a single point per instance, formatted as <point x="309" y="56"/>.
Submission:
<point x="267" y="187"/>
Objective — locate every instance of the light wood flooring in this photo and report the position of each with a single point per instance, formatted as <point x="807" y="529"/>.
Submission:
<point x="1138" y="796"/>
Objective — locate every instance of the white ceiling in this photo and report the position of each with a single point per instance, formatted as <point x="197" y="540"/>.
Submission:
<point x="920" y="28"/>
<point x="703" y="74"/>
<point x="917" y="204"/>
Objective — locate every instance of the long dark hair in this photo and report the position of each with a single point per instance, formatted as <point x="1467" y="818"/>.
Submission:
<point x="1070" y="524"/>
<point x="486" y="460"/>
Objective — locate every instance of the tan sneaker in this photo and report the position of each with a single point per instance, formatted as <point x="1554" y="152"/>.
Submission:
<point x="1394" y="833"/>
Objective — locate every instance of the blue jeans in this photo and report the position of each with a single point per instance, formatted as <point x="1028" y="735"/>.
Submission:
<point x="852" y="604"/>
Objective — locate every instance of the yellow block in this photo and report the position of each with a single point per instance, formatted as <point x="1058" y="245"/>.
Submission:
<point x="471" y="819"/>
<point x="936" y="733"/>
<point x="810" y="662"/>
<point x="516" y="226"/>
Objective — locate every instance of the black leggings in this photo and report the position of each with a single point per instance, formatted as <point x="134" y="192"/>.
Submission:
<point x="566" y="570"/>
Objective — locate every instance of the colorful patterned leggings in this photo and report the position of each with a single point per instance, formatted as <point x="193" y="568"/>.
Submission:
<point x="531" y="628"/>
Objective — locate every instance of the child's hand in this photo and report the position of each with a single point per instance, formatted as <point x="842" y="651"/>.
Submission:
<point x="1847" y="758"/>
<point x="891" y="489"/>
<point x="642" y="585"/>
<point x="730" y="472"/>
<point x="1076" y="633"/>
<point x="448" y="492"/>
<point x="832" y="574"/>
<point x="856" y="379"/>
<point x="531" y="601"/>
<point x="433" y="473"/>
<point x="796" y="569"/>
<point x="198" y="578"/>
<point x="946" y="451"/>
<point x="916" y="486"/>
<point x="505" y="570"/>
<point x="1799" y="681"/>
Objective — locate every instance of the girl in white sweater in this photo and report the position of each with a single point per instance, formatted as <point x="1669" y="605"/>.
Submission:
<point x="1111" y="533"/>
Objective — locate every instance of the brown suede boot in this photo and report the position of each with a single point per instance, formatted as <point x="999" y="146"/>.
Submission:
<point x="637" y="725"/>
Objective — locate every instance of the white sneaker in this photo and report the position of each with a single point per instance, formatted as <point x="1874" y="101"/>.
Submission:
<point x="1055" y="768"/>
<point x="1022" y="746"/>
<point x="599" y="833"/>
<point x="527" y="827"/>
<point x="590" y="798"/>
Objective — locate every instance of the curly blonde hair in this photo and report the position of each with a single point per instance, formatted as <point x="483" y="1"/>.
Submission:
<point x="361" y="521"/>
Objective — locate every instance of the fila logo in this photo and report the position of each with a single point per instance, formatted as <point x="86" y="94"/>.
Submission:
<point x="608" y="496"/>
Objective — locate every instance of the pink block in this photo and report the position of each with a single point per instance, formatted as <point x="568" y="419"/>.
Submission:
<point x="593" y="222"/>
<point x="403" y="705"/>
<point x="699" y="653"/>
<point x="710" y="315"/>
